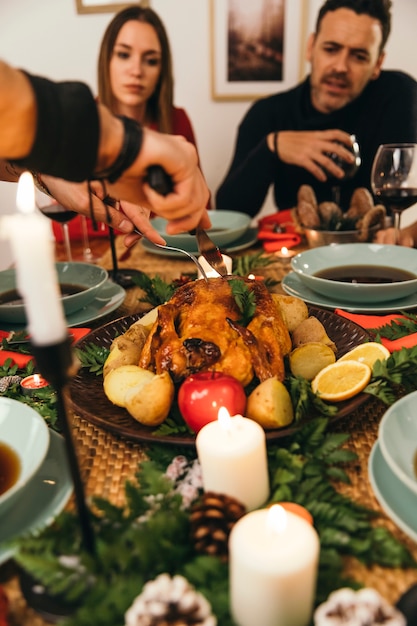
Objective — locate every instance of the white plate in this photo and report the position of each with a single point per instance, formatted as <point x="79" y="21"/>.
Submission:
<point x="42" y="499"/>
<point x="397" y="437"/>
<point x="109" y="297"/>
<point x="292" y="285"/>
<point x="398" y="502"/>
<point x="247" y="240"/>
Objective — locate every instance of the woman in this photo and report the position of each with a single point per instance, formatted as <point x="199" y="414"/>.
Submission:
<point x="135" y="80"/>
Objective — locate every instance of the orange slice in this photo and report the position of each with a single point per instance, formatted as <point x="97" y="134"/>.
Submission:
<point x="367" y="353"/>
<point x="341" y="380"/>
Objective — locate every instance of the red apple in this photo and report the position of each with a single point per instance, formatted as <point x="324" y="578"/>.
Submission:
<point x="202" y="394"/>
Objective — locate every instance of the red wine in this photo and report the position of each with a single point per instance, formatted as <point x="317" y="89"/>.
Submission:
<point x="58" y="213"/>
<point x="399" y="199"/>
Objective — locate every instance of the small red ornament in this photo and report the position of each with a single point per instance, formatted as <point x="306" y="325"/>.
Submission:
<point x="202" y="394"/>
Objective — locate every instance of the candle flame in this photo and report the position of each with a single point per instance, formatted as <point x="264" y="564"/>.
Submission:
<point x="276" y="519"/>
<point x="25" y="196"/>
<point x="284" y="250"/>
<point x="251" y="276"/>
<point x="224" y="418"/>
<point x="36" y="379"/>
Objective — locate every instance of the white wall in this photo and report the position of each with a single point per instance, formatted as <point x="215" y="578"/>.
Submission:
<point x="49" y="38"/>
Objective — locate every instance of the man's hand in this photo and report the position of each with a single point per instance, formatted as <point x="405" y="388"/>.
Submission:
<point x="387" y="236"/>
<point x="311" y="149"/>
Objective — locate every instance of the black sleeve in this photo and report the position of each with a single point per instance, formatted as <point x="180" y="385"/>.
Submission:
<point x="67" y="130"/>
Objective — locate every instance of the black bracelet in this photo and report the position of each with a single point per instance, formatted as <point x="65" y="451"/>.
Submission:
<point x="132" y="143"/>
<point x="67" y="130"/>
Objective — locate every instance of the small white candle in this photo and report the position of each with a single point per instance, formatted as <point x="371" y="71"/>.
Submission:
<point x="36" y="277"/>
<point x="210" y="272"/>
<point x="233" y="459"/>
<point x="273" y="569"/>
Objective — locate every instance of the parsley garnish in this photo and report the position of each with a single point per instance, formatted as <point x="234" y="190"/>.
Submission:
<point x="93" y="357"/>
<point x="245" y="300"/>
<point x="397" y="329"/>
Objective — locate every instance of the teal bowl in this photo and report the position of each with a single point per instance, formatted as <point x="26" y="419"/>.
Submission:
<point x="227" y="226"/>
<point x="397" y="438"/>
<point x="24" y="436"/>
<point x="354" y="259"/>
<point x="79" y="284"/>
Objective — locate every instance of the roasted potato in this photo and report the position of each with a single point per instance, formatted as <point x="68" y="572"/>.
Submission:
<point x="270" y="404"/>
<point x="309" y="358"/>
<point x="127" y="348"/>
<point x="145" y="395"/>
<point x="293" y="310"/>
<point x="311" y="330"/>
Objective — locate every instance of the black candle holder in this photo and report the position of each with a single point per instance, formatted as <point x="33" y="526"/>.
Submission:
<point x="56" y="364"/>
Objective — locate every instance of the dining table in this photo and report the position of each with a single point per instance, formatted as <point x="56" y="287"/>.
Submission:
<point x="107" y="460"/>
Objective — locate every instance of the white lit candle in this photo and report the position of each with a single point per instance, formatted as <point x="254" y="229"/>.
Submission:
<point x="273" y="569"/>
<point x="211" y="272"/>
<point x="233" y="459"/>
<point x="36" y="277"/>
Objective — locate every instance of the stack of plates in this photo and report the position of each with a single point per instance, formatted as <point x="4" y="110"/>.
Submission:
<point x="230" y="231"/>
<point x="393" y="464"/>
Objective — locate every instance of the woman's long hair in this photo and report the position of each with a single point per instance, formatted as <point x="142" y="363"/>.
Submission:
<point x="159" y="106"/>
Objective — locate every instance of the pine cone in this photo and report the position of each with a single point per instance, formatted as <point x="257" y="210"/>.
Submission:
<point x="212" y="519"/>
<point x="168" y="601"/>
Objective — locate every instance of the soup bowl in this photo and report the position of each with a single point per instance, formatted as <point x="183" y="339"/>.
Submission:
<point x="79" y="283"/>
<point x="359" y="272"/>
<point x="24" y="442"/>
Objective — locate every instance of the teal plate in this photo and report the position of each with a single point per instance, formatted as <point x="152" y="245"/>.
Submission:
<point x="398" y="502"/>
<point x="245" y="241"/>
<point x="108" y="298"/>
<point x="293" y="286"/>
<point x="41" y="500"/>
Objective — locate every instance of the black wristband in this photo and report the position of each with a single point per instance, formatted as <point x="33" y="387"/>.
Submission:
<point x="67" y="131"/>
<point x="132" y="143"/>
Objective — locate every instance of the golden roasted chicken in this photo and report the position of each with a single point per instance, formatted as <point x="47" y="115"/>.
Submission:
<point x="199" y="329"/>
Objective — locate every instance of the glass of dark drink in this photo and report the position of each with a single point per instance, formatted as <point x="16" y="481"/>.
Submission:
<point x="394" y="178"/>
<point x="349" y="169"/>
<point x="60" y="214"/>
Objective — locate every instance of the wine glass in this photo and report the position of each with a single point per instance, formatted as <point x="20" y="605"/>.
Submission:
<point x="60" y="214"/>
<point x="349" y="169"/>
<point x="394" y="178"/>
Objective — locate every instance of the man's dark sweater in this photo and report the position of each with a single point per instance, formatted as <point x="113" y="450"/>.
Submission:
<point x="385" y="112"/>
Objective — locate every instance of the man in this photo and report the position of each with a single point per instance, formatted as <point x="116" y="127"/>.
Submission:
<point x="286" y="139"/>
<point x="58" y="129"/>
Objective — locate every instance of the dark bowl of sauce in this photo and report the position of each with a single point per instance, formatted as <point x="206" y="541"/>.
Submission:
<point x="359" y="272"/>
<point x="78" y="284"/>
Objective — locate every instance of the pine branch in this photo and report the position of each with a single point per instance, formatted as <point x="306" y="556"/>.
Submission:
<point x="157" y="290"/>
<point x="249" y="263"/>
<point x="245" y="300"/>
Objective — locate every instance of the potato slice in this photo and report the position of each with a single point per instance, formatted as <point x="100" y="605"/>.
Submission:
<point x="118" y="381"/>
<point x="150" y="401"/>
<point x="270" y="404"/>
<point x="293" y="310"/>
<point x="308" y="359"/>
<point x="311" y="330"/>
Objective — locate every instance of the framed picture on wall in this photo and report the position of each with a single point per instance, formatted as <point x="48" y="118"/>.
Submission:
<point x="105" y="6"/>
<point x="256" y="47"/>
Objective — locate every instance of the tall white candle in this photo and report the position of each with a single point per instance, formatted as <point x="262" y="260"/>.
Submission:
<point x="233" y="459"/>
<point x="273" y="569"/>
<point x="36" y="276"/>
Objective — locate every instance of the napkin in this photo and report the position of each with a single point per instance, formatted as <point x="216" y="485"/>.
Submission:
<point x="21" y="360"/>
<point x="286" y="237"/>
<point x="376" y="321"/>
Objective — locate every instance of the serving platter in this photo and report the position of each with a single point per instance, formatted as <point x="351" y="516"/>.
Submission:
<point x="89" y="401"/>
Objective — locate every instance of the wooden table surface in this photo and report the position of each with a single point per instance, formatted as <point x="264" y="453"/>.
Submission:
<point x="107" y="461"/>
